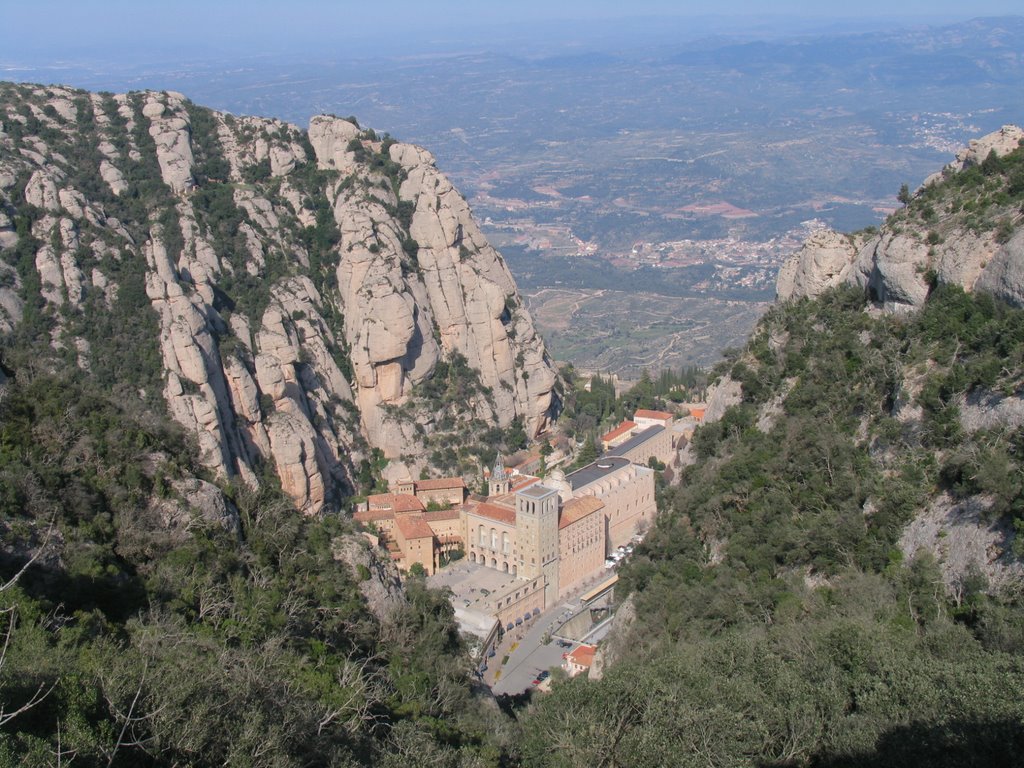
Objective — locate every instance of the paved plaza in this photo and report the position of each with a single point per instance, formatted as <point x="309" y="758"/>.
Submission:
<point x="528" y="653"/>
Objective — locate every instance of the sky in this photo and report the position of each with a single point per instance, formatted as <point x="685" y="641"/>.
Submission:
<point x="43" y="30"/>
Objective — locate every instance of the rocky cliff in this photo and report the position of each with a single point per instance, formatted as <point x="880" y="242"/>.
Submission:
<point x="957" y="229"/>
<point x="957" y="404"/>
<point x="307" y="304"/>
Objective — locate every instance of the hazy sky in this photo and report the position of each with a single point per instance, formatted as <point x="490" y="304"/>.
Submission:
<point x="113" y="29"/>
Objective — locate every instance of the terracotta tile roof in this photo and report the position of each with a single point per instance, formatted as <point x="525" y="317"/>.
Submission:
<point x="440" y="484"/>
<point x="620" y="430"/>
<point x="645" y="414"/>
<point x="396" y="502"/>
<point x="524" y="481"/>
<point x="441" y="514"/>
<point x="373" y="515"/>
<point x="583" y="655"/>
<point x="414" y="527"/>
<point x="576" y="509"/>
<point x="697" y="413"/>
<point x="499" y="513"/>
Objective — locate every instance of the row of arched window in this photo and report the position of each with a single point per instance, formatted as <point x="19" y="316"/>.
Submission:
<point x="504" y="566"/>
<point x="493" y="540"/>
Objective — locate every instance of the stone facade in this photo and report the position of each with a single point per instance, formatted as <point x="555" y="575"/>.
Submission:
<point x="553" y="534"/>
<point x="649" y="434"/>
<point x="627" y="492"/>
<point x="581" y="542"/>
<point x="443" y="491"/>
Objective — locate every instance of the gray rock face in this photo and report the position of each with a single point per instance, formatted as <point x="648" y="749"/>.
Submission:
<point x="169" y="127"/>
<point x="1003" y="141"/>
<point x="990" y="410"/>
<point x="724" y="394"/>
<point x="960" y="536"/>
<point x="1004" y="275"/>
<point x="312" y="368"/>
<point x="378" y="579"/>
<point x="823" y="261"/>
<point x="892" y="266"/>
<point x="11" y="305"/>
<point x="895" y="265"/>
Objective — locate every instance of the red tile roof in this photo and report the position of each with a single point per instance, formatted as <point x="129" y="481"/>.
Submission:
<point x="414" y="527"/>
<point x="619" y="431"/>
<point x="396" y="502"/>
<point x="576" y="509"/>
<point x="697" y="413"/>
<point x="523" y="481"/>
<point x="441" y="514"/>
<point x="440" y="484"/>
<point x="497" y="512"/>
<point x="659" y="415"/>
<point x="373" y="515"/>
<point x="583" y="655"/>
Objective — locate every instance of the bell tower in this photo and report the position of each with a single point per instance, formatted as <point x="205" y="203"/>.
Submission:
<point x="537" y="536"/>
<point x="499" y="483"/>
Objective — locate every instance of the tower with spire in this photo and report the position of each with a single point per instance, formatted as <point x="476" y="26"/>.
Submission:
<point x="499" y="482"/>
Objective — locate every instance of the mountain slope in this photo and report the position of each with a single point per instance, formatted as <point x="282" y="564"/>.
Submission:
<point x="962" y="227"/>
<point x="837" y="580"/>
<point x="289" y="295"/>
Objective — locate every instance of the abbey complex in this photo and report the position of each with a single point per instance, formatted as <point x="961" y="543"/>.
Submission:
<point x="551" y="534"/>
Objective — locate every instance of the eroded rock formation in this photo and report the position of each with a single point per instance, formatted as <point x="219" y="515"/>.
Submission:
<point x="303" y="287"/>
<point x="926" y="241"/>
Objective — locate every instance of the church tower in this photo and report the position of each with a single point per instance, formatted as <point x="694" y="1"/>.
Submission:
<point x="537" y="537"/>
<point x="499" y="483"/>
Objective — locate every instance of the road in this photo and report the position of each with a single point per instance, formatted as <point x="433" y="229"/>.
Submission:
<point x="527" y="653"/>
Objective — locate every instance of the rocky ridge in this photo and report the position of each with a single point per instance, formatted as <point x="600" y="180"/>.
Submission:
<point x="289" y="292"/>
<point x="956" y="229"/>
<point x="961" y="228"/>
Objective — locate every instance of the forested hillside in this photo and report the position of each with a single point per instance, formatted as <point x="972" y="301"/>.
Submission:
<point x="287" y="295"/>
<point x="837" y="580"/>
<point x="163" y="600"/>
<point x="147" y="620"/>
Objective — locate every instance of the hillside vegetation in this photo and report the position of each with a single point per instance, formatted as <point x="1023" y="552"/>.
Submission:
<point x="778" y="622"/>
<point x="150" y="622"/>
<point x="286" y="295"/>
<point x="158" y="612"/>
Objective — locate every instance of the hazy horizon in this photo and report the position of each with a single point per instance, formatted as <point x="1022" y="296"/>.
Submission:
<point x="123" y="33"/>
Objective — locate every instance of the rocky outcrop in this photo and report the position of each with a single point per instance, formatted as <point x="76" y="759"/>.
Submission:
<point x="169" y="127"/>
<point x="722" y="395"/>
<point x="961" y="538"/>
<point x="277" y="348"/>
<point x="823" y="261"/>
<point x="983" y="409"/>
<point x="1002" y="142"/>
<point x="195" y="502"/>
<point x="458" y="296"/>
<point x="11" y="305"/>
<point x="378" y="579"/>
<point x="1004" y="275"/>
<point x="894" y="266"/>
